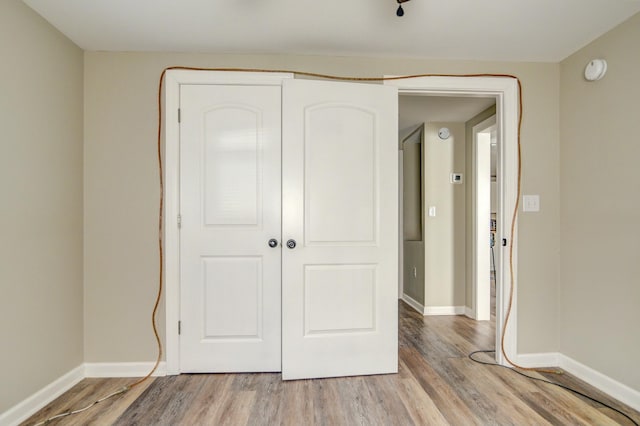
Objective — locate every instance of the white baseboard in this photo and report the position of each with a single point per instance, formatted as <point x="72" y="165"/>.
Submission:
<point x="445" y="310"/>
<point x="123" y="369"/>
<point x="44" y="396"/>
<point x="606" y="384"/>
<point x="413" y="303"/>
<point x="468" y="312"/>
<point x="434" y="310"/>
<point x="539" y="360"/>
<point x="35" y="402"/>
<point x="25" y="409"/>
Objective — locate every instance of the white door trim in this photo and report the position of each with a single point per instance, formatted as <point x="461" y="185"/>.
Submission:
<point x="505" y="90"/>
<point x="173" y="80"/>
<point x="480" y="249"/>
<point x="400" y="224"/>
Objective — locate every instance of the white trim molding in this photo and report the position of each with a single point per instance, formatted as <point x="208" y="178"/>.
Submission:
<point x="445" y="310"/>
<point x="606" y="384"/>
<point x="602" y="382"/>
<point x="469" y="312"/>
<point x="481" y="215"/>
<point x="539" y="360"/>
<point x="434" y="310"/>
<point x="123" y="369"/>
<point x="28" y="407"/>
<point x="505" y="91"/>
<point x="413" y="303"/>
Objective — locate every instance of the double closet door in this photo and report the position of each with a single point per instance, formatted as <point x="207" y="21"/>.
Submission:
<point x="288" y="238"/>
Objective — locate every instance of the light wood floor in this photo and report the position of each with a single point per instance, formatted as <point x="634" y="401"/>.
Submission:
<point x="436" y="385"/>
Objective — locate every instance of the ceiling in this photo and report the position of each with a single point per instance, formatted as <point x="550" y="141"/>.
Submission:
<point x="509" y="30"/>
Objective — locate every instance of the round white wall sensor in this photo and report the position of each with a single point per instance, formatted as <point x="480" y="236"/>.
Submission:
<point x="595" y="69"/>
<point x="444" y="133"/>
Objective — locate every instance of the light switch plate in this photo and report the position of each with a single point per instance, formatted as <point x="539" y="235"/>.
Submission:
<point x="531" y="203"/>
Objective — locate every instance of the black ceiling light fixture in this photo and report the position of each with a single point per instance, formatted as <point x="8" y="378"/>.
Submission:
<point x="400" y="11"/>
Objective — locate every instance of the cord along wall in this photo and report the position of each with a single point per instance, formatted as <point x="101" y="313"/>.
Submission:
<point x="121" y="249"/>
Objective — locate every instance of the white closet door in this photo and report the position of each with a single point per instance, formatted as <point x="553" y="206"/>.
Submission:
<point x="340" y="205"/>
<point x="230" y="200"/>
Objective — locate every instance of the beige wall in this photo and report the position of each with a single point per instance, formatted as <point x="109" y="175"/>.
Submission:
<point x="600" y="219"/>
<point x="412" y="188"/>
<point x="41" y="171"/>
<point x="413" y="284"/>
<point x="121" y="188"/>
<point x="41" y="207"/>
<point x="445" y="234"/>
<point x="413" y="217"/>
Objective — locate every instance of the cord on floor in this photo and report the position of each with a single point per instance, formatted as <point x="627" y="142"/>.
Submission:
<point x="80" y="410"/>
<point x="548" y="382"/>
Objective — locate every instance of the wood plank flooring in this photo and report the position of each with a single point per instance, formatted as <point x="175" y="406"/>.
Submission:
<point x="436" y="385"/>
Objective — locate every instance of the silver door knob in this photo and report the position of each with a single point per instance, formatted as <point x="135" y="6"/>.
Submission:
<point x="291" y="244"/>
<point x="273" y="243"/>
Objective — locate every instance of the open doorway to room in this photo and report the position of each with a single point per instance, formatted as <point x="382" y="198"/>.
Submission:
<point x="448" y="168"/>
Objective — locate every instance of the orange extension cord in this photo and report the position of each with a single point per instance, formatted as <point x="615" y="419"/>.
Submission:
<point x="326" y="77"/>
<point x="379" y="79"/>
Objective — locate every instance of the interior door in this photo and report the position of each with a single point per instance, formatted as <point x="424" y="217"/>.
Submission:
<point x="230" y="201"/>
<point x="340" y="224"/>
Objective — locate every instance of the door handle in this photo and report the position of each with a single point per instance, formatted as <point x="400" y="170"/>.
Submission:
<point x="291" y="244"/>
<point x="273" y="243"/>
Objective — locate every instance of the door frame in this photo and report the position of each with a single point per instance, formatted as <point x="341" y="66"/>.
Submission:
<point x="171" y="175"/>
<point x="505" y="91"/>
<point x="480" y="248"/>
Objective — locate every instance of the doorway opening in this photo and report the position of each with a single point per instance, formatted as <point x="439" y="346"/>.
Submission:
<point x="448" y="271"/>
<point x="452" y="193"/>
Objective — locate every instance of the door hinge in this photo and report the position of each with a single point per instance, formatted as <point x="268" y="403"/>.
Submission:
<point x="179" y="221"/>
<point x="504" y="242"/>
<point x="179" y="327"/>
<point x="179" y="115"/>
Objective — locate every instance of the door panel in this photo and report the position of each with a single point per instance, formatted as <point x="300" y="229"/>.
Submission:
<point x="340" y="198"/>
<point x="232" y="311"/>
<point x="330" y="152"/>
<point x="232" y="165"/>
<point x="339" y="299"/>
<point x="230" y="189"/>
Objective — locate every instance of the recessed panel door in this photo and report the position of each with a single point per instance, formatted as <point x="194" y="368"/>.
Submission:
<point x="340" y="227"/>
<point x="230" y="201"/>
